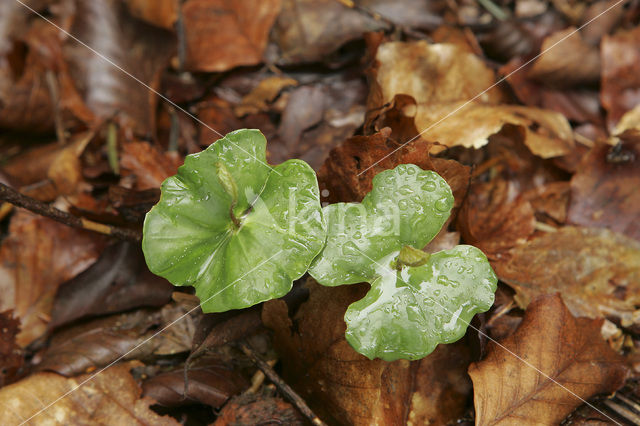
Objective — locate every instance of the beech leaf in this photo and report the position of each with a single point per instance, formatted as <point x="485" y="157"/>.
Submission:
<point x="415" y="302"/>
<point x="238" y="230"/>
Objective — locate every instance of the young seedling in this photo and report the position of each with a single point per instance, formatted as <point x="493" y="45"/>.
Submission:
<point x="416" y="300"/>
<point x="237" y="229"/>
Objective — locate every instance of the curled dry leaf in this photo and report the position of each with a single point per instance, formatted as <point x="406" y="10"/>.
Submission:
<point x="112" y="397"/>
<point x="620" y="73"/>
<point x="343" y="386"/>
<point x="604" y="189"/>
<point x="221" y="35"/>
<point x="37" y="256"/>
<point x="596" y="270"/>
<point x="567" y="362"/>
<point x="451" y="86"/>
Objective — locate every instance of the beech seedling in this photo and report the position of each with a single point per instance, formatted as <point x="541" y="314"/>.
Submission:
<point x="237" y="229"/>
<point x="417" y="300"/>
<point x="241" y="231"/>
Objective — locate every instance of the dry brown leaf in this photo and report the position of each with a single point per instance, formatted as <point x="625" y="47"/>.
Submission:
<point x="596" y="270"/>
<point x="251" y="409"/>
<point x="65" y="170"/>
<point x="569" y="62"/>
<point x="37" y="256"/>
<point x="443" y="79"/>
<point x="620" y="73"/>
<point x="149" y="166"/>
<point x="604" y="189"/>
<point x="492" y="222"/>
<point x="265" y="92"/>
<point x="350" y="168"/>
<point x="162" y="13"/>
<point x="223" y="34"/>
<point x="110" y="398"/>
<point x="574" y="363"/>
<point x="346" y="388"/>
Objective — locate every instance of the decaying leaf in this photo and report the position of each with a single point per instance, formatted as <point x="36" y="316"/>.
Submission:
<point x="596" y="270"/>
<point x="547" y="368"/>
<point x="113" y="397"/>
<point x="251" y="409"/>
<point x="37" y="256"/>
<point x="148" y="164"/>
<point x="604" y="189"/>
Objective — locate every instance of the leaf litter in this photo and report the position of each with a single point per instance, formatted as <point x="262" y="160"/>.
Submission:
<point x="540" y="152"/>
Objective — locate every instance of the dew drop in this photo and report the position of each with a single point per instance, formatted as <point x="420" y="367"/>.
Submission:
<point x="350" y="249"/>
<point x="443" y="204"/>
<point x="357" y="235"/>
<point x="405" y="190"/>
<point x="429" y="186"/>
<point x="403" y="204"/>
<point x="411" y="171"/>
<point x="436" y="292"/>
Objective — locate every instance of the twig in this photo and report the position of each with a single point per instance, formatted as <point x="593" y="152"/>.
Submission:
<point x="284" y="388"/>
<point x="20" y="200"/>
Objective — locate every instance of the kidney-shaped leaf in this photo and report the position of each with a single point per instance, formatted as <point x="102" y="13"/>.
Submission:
<point x="237" y="229"/>
<point x="416" y="300"/>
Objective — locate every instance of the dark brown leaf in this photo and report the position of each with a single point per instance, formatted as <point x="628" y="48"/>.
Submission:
<point x="566" y="362"/>
<point x="251" y="409"/>
<point x="211" y="384"/>
<point x="11" y="357"/>
<point x="117" y="282"/>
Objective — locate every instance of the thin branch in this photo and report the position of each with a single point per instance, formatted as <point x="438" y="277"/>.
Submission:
<point x="284" y="388"/>
<point x="14" y="197"/>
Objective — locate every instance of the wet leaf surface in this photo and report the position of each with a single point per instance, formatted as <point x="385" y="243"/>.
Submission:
<point x="586" y="367"/>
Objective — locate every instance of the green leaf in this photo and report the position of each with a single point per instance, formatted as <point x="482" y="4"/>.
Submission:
<point x="407" y="313"/>
<point x="237" y="229"/>
<point x="416" y="300"/>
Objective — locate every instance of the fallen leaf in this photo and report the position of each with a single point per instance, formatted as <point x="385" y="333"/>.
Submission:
<point x="604" y="189"/>
<point x="96" y="343"/>
<point x="112" y="397"/>
<point x="37" y="256"/>
<point x="620" y="90"/>
<point x="148" y="164"/>
<point x="118" y="281"/>
<point x="221" y="35"/>
<point x="492" y="222"/>
<point x="568" y="61"/>
<point x="211" y="384"/>
<point x="11" y="356"/>
<point x="567" y="362"/>
<point x="348" y="171"/>
<point x="140" y="49"/>
<point x="596" y="270"/>
<point x="452" y="86"/>
<point x="264" y="93"/>
<point x="251" y="409"/>
<point x="344" y="387"/>
<point x="162" y="13"/>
